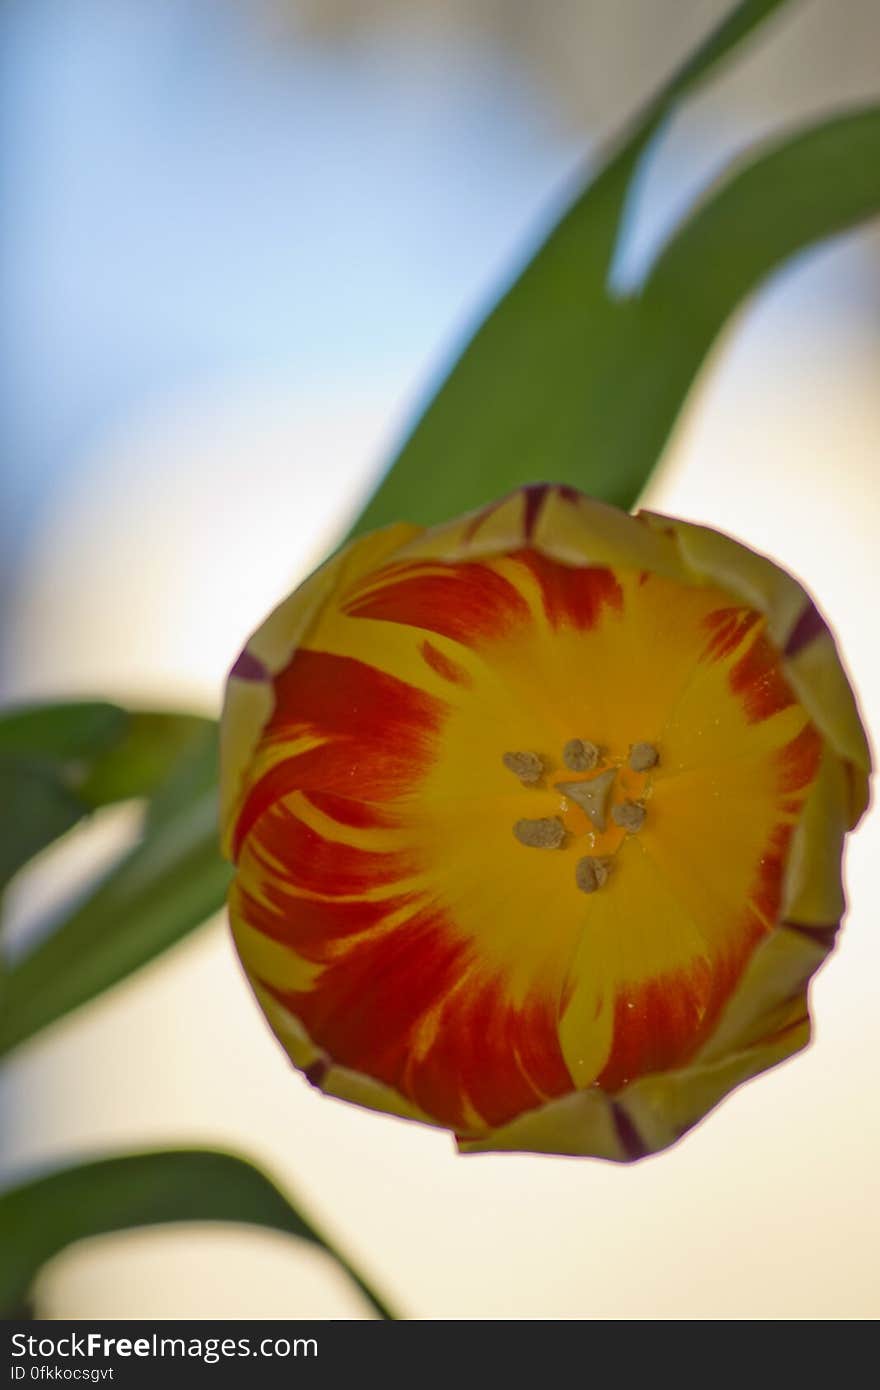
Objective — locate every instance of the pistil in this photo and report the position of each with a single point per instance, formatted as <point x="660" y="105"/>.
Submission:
<point x="591" y="796"/>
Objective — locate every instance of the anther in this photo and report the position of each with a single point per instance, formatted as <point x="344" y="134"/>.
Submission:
<point x="591" y="796"/>
<point x="547" y="833"/>
<point x="590" y="874"/>
<point x="526" y="766"/>
<point x="643" y="756"/>
<point x="629" y="815"/>
<point x="579" y="755"/>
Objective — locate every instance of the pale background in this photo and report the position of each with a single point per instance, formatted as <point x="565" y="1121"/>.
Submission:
<point x="241" y="238"/>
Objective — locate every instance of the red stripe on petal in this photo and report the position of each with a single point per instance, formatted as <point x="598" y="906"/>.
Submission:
<point x="505" y="1059"/>
<point x="798" y="761"/>
<point x="366" y="1007"/>
<point x="572" y="595"/>
<point x="284" y="846"/>
<point x="410" y="1008"/>
<point x="468" y="602"/>
<point x="656" y="1026"/>
<point x="315" y="928"/>
<point x="766" y="891"/>
<point x="729" y="628"/>
<point x="360" y="815"/>
<point x="444" y="667"/>
<point x="339" y="695"/>
<point x="378" y="734"/>
<point x="757" y="680"/>
<point x="660" y="1024"/>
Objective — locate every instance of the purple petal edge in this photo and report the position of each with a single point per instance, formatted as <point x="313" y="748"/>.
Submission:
<point x="823" y="934"/>
<point x="808" y="627"/>
<point x="316" y="1071"/>
<point x="249" y="668"/>
<point x="631" y="1141"/>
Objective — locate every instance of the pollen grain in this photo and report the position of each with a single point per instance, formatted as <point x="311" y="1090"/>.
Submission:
<point x="629" y="815"/>
<point x="579" y="755"/>
<point x="528" y="767"/>
<point x="546" y="833"/>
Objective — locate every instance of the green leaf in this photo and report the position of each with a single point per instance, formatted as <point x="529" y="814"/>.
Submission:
<point x="523" y="401"/>
<point x="58" y="762"/>
<point x="820" y="181"/>
<point x="44" y="754"/>
<point x="813" y="185"/>
<point x="35" y="809"/>
<point x="41" y="1218"/>
<point x="167" y="885"/>
<point x="60" y="732"/>
<point x="152" y="749"/>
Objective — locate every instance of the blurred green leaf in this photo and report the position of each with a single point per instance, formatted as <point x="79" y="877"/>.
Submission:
<point x="37" y="808"/>
<point x="152" y="749"/>
<point x="60" y="732"/>
<point x="41" y="1218"/>
<point x="167" y="885"/>
<point x="530" y="399"/>
<point x="45" y="751"/>
<point x="58" y="762"/>
<point x="819" y="182"/>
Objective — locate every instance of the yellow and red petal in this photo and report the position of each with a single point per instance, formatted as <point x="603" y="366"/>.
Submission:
<point x="249" y="698"/>
<point x="416" y="917"/>
<point x="811" y="661"/>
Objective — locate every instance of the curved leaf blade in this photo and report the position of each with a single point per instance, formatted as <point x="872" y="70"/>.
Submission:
<point x="60" y="761"/>
<point x="59" y="731"/>
<point x="44" y="753"/>
<point x="40" y="1218"/>
<point x="151" y="749"/>
<point x="820" y="182"/>
<point x="37" y="809"/>
<point x="170" y="883"/>
<point x="518" y="404"/>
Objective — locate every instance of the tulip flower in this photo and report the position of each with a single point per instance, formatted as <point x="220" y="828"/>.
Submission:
<point x="537" y="820"/>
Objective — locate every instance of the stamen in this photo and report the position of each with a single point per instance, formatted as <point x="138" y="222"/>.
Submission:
<point x="526" y="766"/>
<point x="579" y="755"/>
<point x="591" y="796"/>
<point x="591" y="873"/>
<point x="629" y="815"/>
<point x="643" y="756"/>
<point x="547" y="833"/>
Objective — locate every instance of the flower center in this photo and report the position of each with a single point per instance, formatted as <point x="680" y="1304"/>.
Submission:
<point x="600" y="807"/>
